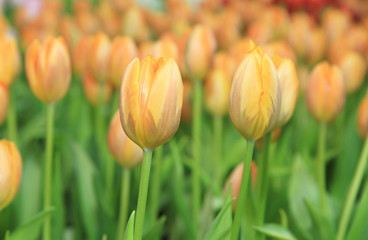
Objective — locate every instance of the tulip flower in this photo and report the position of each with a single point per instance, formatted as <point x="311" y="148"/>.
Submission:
<point x="186" y="110"/>
<point x="235" y="180"/>
<point x="123" y="50"/>
<point x="199" y="51"/>
<point x="254" y="109"/>
<point x="353" y="68"/>
<point x="80" y="55"/>
<point x="93" y="89"/>
<point x="125" y="151"/>
<point x="98" y="56"/>
<point x="335" y="22"/>
<point x="139" y="30"/>
<point x="165" y="48"/>
<point x="10" y="67"/>
<point x="289" y="87"/>
<point x="255" y="95"/>
<point x="325" y="92"/>
<point x="217" y="92"/>
<point x="4" y="100"/>
<point x="151" y="99"/>
<point x="279" y="48"/>
<point x="363" y="117"/>
<point x="10" y="172"/>
<point x="226" y="62"/>
<point x="48" y="69"/>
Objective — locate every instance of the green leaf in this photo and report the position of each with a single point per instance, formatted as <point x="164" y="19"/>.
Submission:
<point x="31" y="229"/>
<point x="57" y="191"/>
<point x="275" y="231"/>
<point x="85" y="172"/>
<point x="155" y="231"/>
<point x="129" y="231"/>
<point x="220" y="228"/>
<point x="284" y="218"/>
<point x="321" y="225"/>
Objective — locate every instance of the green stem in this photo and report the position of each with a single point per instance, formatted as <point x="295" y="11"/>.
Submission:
<point x="262" y="184"/>
<point x="48" y="169"/>
<point x="321" y="166"/>
<point x="12" y="120"/>
<point x="196" y="134"/>
<point x="353" y="191"/>
<point x="156" y="183"/>
<point x="142" y="196"/>
<point x="218" y="151"/>
<point x="124" y="202"/>
<point x="240" y="205"/>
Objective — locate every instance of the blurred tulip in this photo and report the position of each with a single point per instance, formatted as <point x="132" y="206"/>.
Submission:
<point x="335" y="22"/>
<point x="357" y="37"/>
<point x="87" y="22"/>
<point x="217" y="92"/>
<point x="48" y="69"/>
<point x="80" y="55"/>
<point x="303" y="76"/>
<point x="4" y="100"/>
<point x="279" y="48"/>
<point x="10" y="63"/>
<point x="125" y="151"/>
<point x="260" y="31"/>
<point x="255" y="95"/>
<point x="353" y="68"/>
<point x="123" y="51"/>
<point x="109" y="19"/>
<point x="363" y="117"/>
<point x="229" y="27"/>
<point x="99" y="49"/>
<point x="10" y="172"/>
<point x="121" y="5"/>
<point x="186" y="110"/>
<point x="337" y="49"/>
<point x="145" y="49"/>
<point x="301" y="26"/>
<point x="235" y="181"/>
<point x="165" y="48"/>
<point x="69" y="30"/>
<point x="315" y="45"/>
<point x="289" y="88"/>
<point x="274" y="136"/>
<point x="199" y="51"/>
<point x="224" y="61"/>
<point x="239" y="50"/>
<point x="151" y="100"/>
<point x="325" y="92"/>
<point x="92" y="89"/>
<point x="138" y="31"/>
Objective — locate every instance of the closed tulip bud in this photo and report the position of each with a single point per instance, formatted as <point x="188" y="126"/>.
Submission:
<point x="145" y="49"/>
<point x="125" y="151"/>
<point x="289" y="88"/>
<point x="335" y="22"/>
<point x="235" y="181"/>
<point x="165" y="48"/>
<point x="123" y="51"/>
<point x="280" y="48"/>
<point x="239" y="49"/>
<point x="151" y="99"/>
<point x="255" y="95"/>
<point x="353" y="68"/>
<point x="10" y="63"/>
<point x="48" y="69"/>
<point x="363" y="117"/>
<point x="217" y="92"/>
<point x="224" y="61"/>
<point x="325" y="92"/>
<point x="4" y="102"/>
<point x="79" y="55"/>
<point x="10" y="172"/>
<point x="92" y="89"/>
<point x="139" y="30"/>
<point x="98" y="56"/>
<point x="315" y="45"/>
<point x="199" y="51"/>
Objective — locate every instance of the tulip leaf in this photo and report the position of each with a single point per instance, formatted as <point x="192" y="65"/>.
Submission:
<point x="31" y="229"/>
<point x="129" y="231"/>
<point x="57" y="190"/>
<point x="220" y="228"/>
<point x="155" y="231"/>
<point x="275" y="231"/>
<point x="322" y="227"/>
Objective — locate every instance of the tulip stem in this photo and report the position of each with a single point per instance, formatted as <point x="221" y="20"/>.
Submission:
<point x="240" y="205"/>
<point x="218" y="151"/>
<point x="12" y="120"/>
<point x="196" y="132"/>
<point x="359" y="173"/>
<point x="124" y="202"/>
<point x="321" y="166"/>
<point x="262" y="183"/>
<point x="156" y="182"/>
<point x="142" y="196"/>
<point x="48" y="169"/>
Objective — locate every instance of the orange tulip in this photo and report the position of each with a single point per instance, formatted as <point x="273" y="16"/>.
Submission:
<point x="186" y="110"/>
<point x="325" y="92"/>
<point x="125" y="151"/>
<point x="217" y="92"/>
<point x="279" y="48"/>
<point x="255" y="95"/>
<point x="10" y="63"/>
<point x="48" y="69"/>
<point x="98" y="56"/>
<point x="79" y="55"/>
<point x="92" y="89"/>
<point x="335" y="22"/>
<point x="199" y="51"/>
<point x="10" y="172"/>
<point x="151" y="99"/>
<point x="363" y="117"/>
<point x="353" y="68"/>
<point x="165" y="48"/>
<point x="139" y="30"/>
<point x="224" y="61"/>
<point x="123" y="50"/>
<point x="4" y="102"/>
